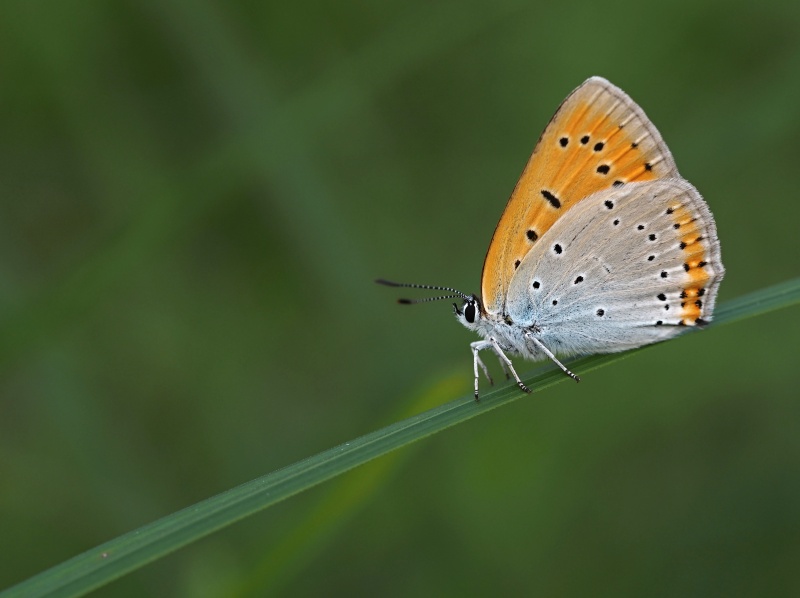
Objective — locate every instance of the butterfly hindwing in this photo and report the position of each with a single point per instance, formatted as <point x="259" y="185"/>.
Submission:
<point x="598" y="139"/>
<point x="660" y="274"/>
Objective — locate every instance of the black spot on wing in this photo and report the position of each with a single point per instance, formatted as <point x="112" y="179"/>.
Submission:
<point x="554" y="201"/>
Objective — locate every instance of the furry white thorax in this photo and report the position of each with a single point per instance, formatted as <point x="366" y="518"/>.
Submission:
<point x="511" y="336"/>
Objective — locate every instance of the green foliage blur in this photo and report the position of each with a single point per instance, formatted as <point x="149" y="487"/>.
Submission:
<point x="195" y="198"/>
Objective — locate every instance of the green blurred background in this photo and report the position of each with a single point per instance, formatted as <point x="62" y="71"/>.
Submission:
<point x="195" y="198"/>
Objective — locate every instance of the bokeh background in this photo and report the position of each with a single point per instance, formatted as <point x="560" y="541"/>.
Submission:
<point x="195" y="197"/>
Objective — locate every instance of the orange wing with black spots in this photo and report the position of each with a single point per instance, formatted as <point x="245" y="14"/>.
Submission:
<point x="598" y="138"/>
<point x="699" y="247"/>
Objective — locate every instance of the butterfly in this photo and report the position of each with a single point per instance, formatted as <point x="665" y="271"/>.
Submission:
<point x="602" y="247"/>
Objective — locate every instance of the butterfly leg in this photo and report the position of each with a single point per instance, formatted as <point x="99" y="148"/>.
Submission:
<point x="485" y="371"/>
<point x="477" y="361"/>
<point x="549" y="353"/>
<point x="506" y="363"/>
<point x="505" y="369"/>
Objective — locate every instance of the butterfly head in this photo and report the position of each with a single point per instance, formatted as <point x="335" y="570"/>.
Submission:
<point x="471" y="313"/>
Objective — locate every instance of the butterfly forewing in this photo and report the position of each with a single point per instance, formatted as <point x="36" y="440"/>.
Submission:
<point x="598" y="139"/>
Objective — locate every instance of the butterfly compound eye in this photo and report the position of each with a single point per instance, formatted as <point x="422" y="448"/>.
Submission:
<point x="469" y="312"/>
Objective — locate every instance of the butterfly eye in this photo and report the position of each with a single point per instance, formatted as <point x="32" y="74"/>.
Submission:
<point x="469" y="312"/>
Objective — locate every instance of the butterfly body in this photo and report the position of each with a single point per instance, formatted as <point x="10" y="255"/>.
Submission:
<point x="602" y="247"/>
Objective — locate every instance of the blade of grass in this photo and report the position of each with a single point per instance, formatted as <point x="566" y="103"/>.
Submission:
<point x="343" y="499"/>
<point x="131" y="551"/>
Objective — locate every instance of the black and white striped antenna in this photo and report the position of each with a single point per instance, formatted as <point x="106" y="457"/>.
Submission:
<point x="429" y="287"/>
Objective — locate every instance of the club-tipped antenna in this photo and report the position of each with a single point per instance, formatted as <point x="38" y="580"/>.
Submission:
<point x="428" y="287"/>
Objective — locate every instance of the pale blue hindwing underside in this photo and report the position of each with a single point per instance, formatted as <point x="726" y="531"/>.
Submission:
<point x="595" y="282"/>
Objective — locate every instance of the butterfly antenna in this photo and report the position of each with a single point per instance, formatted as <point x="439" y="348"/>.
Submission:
<point x="428" y="287"/>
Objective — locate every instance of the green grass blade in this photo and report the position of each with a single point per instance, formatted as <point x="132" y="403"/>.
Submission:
<point x="758" y="302"/>
<point x="345" y="496"/>
<point x="131" y="551"/>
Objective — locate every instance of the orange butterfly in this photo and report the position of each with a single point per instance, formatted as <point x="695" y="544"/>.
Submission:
<point x="602" y="246"/>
